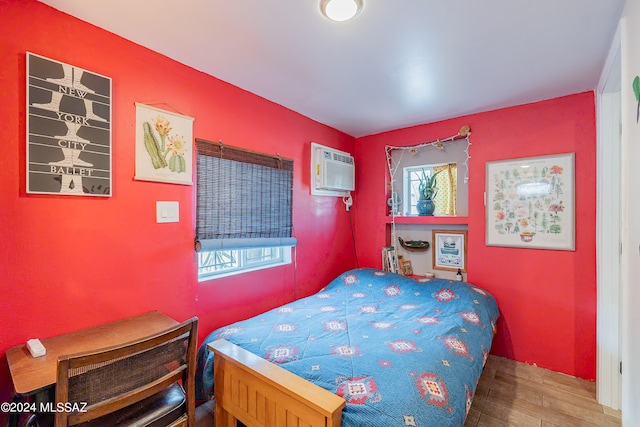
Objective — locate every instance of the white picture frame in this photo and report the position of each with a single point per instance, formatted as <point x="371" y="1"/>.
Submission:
<point x="164" y="146"/>
<point x="530" y="202"/>
<point x="449" y="250"/>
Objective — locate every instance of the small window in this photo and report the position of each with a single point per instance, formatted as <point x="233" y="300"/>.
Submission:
<point x="412" y="176"/>
<point x="446" y="187"/>
<point x="243" y="210"/>
<point x="214" y="264"/>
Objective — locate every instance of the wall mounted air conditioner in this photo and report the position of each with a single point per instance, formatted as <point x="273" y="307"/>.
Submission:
<point x="333" y="172"/>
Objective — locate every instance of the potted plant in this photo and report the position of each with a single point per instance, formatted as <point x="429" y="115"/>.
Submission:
<point x="427" y="191"/>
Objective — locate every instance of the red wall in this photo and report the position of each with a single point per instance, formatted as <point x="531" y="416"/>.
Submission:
<point x="547" y="298"/>
<point x="71" y="262"/>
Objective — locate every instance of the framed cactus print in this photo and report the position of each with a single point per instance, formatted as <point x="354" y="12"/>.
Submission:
<point x="530" y="202"/>
<point x="164" y="146"/>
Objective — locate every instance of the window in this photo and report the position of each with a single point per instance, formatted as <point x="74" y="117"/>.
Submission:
<point x="243" y="210"/>
<point x="446" y="186"/>
<point x="411" y="178"/>
<point x="213" y="264"/>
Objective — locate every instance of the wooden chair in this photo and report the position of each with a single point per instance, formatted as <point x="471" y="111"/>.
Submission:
<point x="148" y="382"/>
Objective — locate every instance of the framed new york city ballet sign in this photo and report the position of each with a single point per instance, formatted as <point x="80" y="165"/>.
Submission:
<point x="68" y="129"/>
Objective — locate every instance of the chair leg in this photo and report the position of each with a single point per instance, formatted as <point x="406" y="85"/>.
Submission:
<point x="180" y="422"/>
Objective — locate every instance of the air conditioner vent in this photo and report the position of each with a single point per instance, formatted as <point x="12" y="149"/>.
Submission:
<point x="342" y="158"/>
<point x="332" y="171"/>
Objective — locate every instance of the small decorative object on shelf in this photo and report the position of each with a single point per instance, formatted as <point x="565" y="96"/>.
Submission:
<point x="459" y="276"/>
<point x="407" y="269"/>
<point x="394" y="202"/>
<point x="414" y="245"/>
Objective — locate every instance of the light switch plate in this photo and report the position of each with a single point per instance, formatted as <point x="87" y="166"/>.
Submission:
<point x="167" y="212"/>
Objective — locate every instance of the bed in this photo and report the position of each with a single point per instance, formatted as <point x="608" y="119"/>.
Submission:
<point x="371" y="348"/>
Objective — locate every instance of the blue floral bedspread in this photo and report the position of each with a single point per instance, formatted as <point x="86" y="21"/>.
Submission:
<point x="401" y="352"/>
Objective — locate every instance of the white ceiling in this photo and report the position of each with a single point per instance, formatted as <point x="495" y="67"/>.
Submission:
<point x="399" y="63"/>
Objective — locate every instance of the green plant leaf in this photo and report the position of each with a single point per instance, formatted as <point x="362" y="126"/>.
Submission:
<point x="636" y="92"/>
<point x="427" y="186"/>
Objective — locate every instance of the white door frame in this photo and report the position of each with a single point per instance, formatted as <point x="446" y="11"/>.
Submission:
<point x="608" y="229"/>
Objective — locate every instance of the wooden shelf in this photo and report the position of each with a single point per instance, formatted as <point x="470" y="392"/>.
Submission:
<point x="440" y="219"/>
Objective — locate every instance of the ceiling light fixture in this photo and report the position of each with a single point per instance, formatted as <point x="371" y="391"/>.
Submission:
<point x="340" y="10"/>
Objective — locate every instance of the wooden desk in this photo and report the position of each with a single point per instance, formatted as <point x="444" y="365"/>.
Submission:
<point x="32" y="374"/>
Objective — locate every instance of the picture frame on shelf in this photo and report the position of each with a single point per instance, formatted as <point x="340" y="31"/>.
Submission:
<point x="407" y="269"/>
<point x="449" y="249"/>
<point x="530" y="202"/>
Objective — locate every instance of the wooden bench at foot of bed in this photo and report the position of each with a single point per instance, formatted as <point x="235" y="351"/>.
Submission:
<point x="259" y="393"/>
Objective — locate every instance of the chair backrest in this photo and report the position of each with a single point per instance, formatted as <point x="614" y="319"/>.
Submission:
<point x="96" y="383"/>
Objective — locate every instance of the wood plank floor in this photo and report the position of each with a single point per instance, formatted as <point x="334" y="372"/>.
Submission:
<point x="510" y="393"/>
<point x="515" y="394"/>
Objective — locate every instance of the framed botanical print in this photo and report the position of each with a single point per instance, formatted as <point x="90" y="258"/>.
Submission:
<point x="530" y="202"/>
<point x="449" y="250"/>
<point x="164" y="146"/>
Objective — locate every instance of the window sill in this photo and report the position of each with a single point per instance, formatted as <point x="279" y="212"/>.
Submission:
<point x="244" y="270"/>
